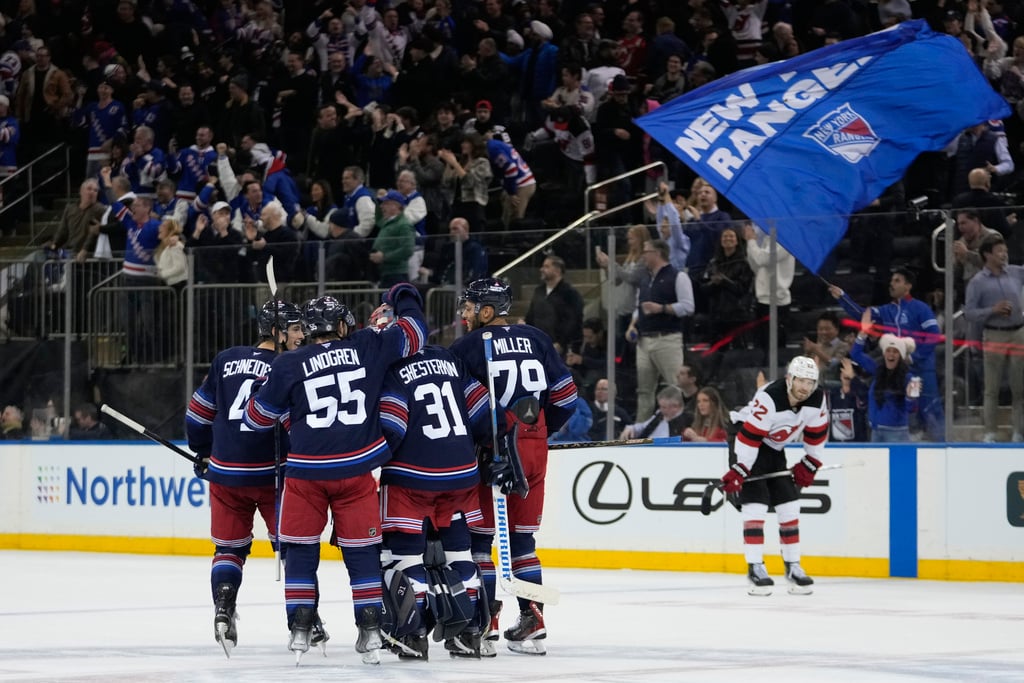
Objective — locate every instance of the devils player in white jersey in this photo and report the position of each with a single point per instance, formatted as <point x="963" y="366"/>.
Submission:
<point x="786" y="411"/>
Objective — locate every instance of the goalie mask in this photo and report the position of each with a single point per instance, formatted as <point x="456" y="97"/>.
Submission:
<point x="802" y="367"/>
<point x="382" y="318"/>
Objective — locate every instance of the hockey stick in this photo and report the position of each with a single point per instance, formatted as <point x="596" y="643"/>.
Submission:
<point x="272" y="281"/>
<point x="509" y="583"/>
<point x="598" y="444"/>
<point x="136" y="427"/>
<point x="709" y="491"/>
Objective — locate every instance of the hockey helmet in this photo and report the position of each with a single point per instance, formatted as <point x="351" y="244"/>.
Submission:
<point x="803" y="367"/>
<point x="488" y="291"/>
<point x="273" y="311"/>
<point x="320" y="316"/>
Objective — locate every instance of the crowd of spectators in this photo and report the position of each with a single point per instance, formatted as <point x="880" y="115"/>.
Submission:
<point x="381" y="133"/>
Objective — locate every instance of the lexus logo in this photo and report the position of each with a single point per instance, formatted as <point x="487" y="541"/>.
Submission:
<point x="597" y="478"/>
<point x="603" y="493"/>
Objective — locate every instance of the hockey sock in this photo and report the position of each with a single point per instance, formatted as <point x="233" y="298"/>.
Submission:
<point x="300" y="587"/>
<point x="227" y="566"/>
<point x="753" y="532"/>
<point x="525" y="563"/>
<point x="788" y="515"/>
<point x="481" y="552"/>
<point x="364" y="576"/>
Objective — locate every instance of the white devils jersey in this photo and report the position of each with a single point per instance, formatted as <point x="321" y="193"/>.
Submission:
<point x="769" y="420"/>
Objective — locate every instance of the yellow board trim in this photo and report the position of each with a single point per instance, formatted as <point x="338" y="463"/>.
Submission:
<point x="970" y="570"/>
<point x="947" y="570"/>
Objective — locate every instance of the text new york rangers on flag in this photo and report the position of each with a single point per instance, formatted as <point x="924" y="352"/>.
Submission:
<point x="801" y="144"/>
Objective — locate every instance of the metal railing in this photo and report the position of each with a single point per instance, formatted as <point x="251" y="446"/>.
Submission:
<point x="21" y="186"/>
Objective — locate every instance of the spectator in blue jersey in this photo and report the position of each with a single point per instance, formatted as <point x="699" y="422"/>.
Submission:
<point x="909" y="317"/>
<point x="242" y="466"/>
<point x="431" y="409"/>
<point x="516" y="178"/>
<point x="894" y="389"/>
<point x="329" y="390"/>
<point x="191" y="166"/>
<point x="535" y="396"/>
<point x="106" y="120"/>
<point x="537" y="68"/>
<point x="145" y="165"/>
<point x="848" y="406"/>
<point x="138" y="274"/>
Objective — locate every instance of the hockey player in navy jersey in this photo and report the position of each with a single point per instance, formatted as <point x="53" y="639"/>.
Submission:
<point x="238" y="463"/>
<point x="786" y="411"/>
<point x="527" y="371"/>
<point x="328" y="392"/>
<point x="430" y="411"/>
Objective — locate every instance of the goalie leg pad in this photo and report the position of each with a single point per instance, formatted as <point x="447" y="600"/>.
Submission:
<point x="401" y="615"/>
<point x="447" y="596"/>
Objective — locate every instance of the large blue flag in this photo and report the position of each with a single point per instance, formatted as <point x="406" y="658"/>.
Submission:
<point x="803" y="143"/>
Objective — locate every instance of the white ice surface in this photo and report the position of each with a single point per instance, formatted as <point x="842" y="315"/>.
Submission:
<point x="103" y="617"/>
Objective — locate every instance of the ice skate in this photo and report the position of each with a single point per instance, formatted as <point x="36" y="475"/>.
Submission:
<point x="224" y="617"/>
<point x="760" y="582"/>
<point x="411" y="646"/>
<point x="368" y="642"/>
<point x="526" y="636"/>
<point x="490" y="636"/>
<point x="465" y="645"/>
<point x="302" y="630"/>
<point x="799" y="582"/>
<point x="318" y="635"/>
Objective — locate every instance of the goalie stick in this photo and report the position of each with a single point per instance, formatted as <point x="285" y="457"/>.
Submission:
<point x="272" y="282"/>
<point x="136" y="427"/>
<point x="509" y="583"/>
<point x="709" y="491"/>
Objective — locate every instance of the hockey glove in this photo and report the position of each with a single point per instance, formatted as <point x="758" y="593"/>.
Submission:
<point x="499" y="473"/>
<point x="804" y="471"/>
<point x="733" y="479"/>
<point x="201" y="466"/>
<point x="399" y="291"/>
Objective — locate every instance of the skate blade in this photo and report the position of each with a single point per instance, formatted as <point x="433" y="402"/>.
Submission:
<point x="221" y="635"/>
<point x="371" y="657"/>
<point x="794" y="589"/>
<point x="527" y="647"/>
<point x="760" y="591"/>
<point x="401" y="649"/>
<point x="298" y="657"/>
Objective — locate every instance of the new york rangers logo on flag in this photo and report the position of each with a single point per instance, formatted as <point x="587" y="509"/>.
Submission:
<point x="844" y="132"/>
<point x="801" y="144"/>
